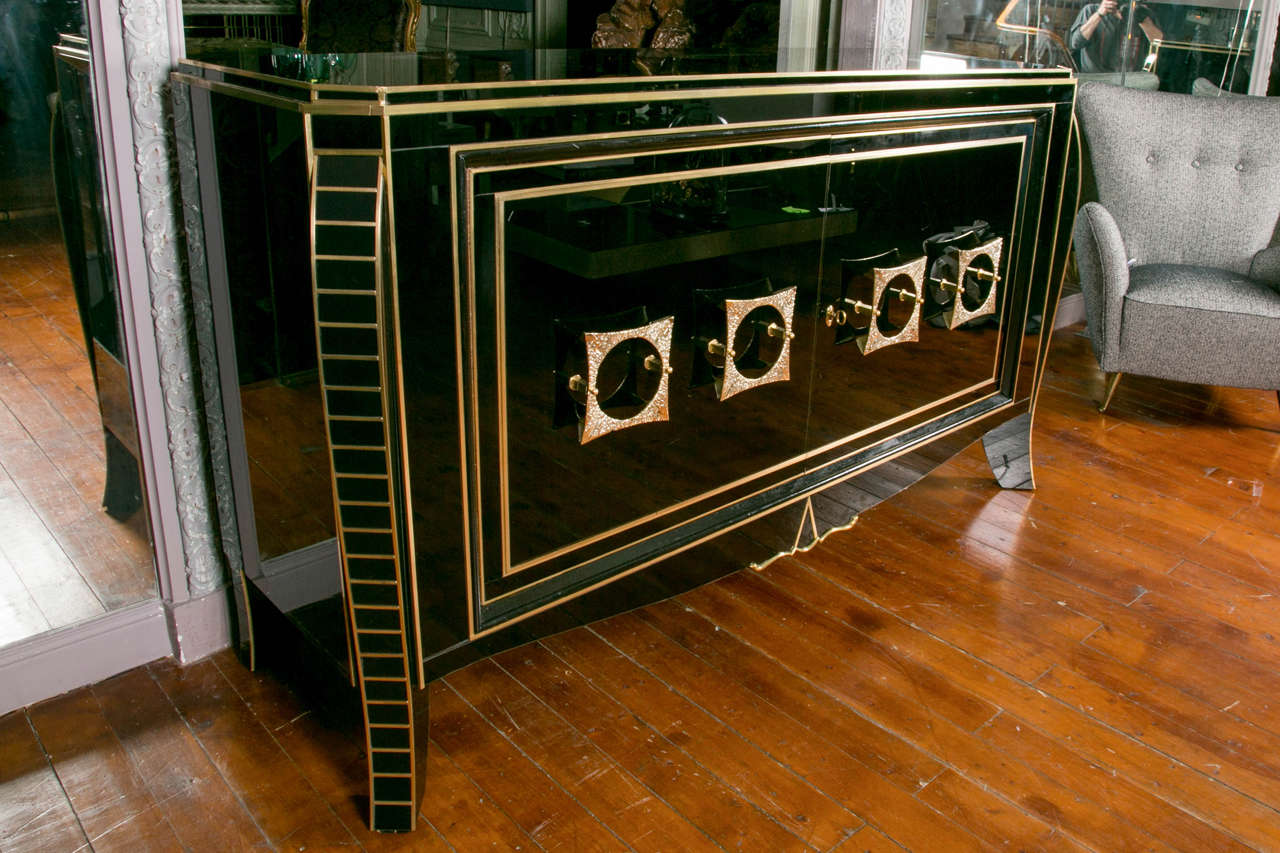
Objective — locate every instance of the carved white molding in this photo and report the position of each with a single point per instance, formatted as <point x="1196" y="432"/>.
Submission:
<point x="146" y="35"/>
<point x="893" y="34"/>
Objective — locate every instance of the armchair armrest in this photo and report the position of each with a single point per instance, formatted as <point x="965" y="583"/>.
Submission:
<point x="1266" y="267"/>
<point x="1104" y="279"/>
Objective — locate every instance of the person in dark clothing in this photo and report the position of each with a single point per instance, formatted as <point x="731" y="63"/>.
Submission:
<point x="1097" y="35"/>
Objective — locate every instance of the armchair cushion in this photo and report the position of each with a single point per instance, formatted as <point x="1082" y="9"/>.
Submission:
<point x="1200" y="324"/>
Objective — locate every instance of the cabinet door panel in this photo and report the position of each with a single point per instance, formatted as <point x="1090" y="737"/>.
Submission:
<point x="914" y="304"/>
<point x="639" y="335"/>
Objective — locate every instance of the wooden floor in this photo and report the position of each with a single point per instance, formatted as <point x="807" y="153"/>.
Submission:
<point x="62" y="559"/>
<point x="1090" y="666"/>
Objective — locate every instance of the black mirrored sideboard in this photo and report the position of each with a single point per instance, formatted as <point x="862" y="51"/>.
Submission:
<point x="500" y="333"/>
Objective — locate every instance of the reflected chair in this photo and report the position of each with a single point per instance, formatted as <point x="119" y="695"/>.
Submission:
<point x="360" y="26"/>
<point x="1180" y="276"/>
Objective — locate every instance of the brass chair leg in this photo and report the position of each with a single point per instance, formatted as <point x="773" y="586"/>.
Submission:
<point x="1112" y="382"/>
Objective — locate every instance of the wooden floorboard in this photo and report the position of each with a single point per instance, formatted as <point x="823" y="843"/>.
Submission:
<point x="62" y="558"/>
<point x="1090" y="666"/>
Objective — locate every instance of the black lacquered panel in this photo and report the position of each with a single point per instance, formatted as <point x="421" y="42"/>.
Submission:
<point x="621" y="243"/>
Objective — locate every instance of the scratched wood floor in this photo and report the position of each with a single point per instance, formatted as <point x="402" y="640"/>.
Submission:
<point x="1090" y="666"/>
<point x="62" y="559"/>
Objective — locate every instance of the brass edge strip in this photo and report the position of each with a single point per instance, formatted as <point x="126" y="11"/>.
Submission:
<point x="364" y="476"/>
<point x="861" y="118"/>
<point x="500" y="325"/>
<point x="396" y="353"/>
<point x="365" y="190"/>
<point x="562" y="189"/>
<point x="335" y="291"/>
<point x="364" y="108"/>
<point x="343" y="223"/>
<point x="887" y="78"/>
<point x="467" y="404"/>
<point x="633" y="569"/>
<point x="367" y="388"/>
<point x="1014" y="252"/>
<point x="369" y="258"/>
<point x="245" y="93"/>
<point x="1047" y="324"/>
<point x="332" y="324"/>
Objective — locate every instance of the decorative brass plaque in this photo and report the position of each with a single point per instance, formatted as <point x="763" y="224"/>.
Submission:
<point x="736" y="310"/>
<point x="958" y="314"/>
<point x="596" y="421"/>
<point x="875" y="338"/>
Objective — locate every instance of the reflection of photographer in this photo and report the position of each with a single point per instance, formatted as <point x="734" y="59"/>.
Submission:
<point x="1098" y="36"/>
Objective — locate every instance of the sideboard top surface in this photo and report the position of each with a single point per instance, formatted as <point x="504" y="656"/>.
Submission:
<point x="409" y="83"/>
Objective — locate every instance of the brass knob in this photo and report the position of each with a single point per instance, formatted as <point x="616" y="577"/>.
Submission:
<point x="986" y="275"/>
<point x="905" y="295"/>
<point x="716" y="348"/>
<point x="577" y="383"/>
<point x="831" y="315"/>
<point x="864" y="308"/>
<point x="653" y="364"/>
<point x="775" y="331"/>
<point x="947" y="284"/>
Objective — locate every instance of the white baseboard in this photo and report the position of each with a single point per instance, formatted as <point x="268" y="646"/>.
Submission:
<point x="200" y="626"/>
<point x="55" y="662"/>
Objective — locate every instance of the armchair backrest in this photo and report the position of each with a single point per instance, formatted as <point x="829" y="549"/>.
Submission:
<point x="1189" y="180"/>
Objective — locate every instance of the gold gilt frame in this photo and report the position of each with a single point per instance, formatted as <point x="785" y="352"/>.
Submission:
<point x="736" y="311"/>
<point x="875" y="339"/>
<point x="413" y="13"/>
<point x="596" y="422"/>
<point x="957" y="315"/>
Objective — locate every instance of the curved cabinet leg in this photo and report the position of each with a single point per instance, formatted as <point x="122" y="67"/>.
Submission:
<point x="122" y="494"/>
<point x="1008" y="449"/>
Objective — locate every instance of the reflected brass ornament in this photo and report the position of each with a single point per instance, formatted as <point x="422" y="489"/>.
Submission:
<point x="733" y="381"/>
<point x="967" y="277"/>
<point x="875" y="337"/>
<point x="595" y="421"/>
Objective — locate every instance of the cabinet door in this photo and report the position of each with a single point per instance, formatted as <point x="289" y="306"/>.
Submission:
<point x="637" y="326"/>
<point x="915" y="305"/>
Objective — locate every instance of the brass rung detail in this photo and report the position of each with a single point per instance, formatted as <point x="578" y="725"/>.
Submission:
<point x="388" y="749"/>
<point x="372" y="389"/>
<point x="379" y="607"/>
<point x="367" y="530"/>
<point x="345" y="291"/>
<point x="372" y="447"/>
<point x="346" y="223"/>
<point x="348" y="357"/>
<point x="367" y="419"/>
<point x="366" y="477"/>
<point x="330" y="324"/>
<point x="374" y="582"/>
<point x="398" y="726"/>
<point x="384" y="701"/>
<point x="386" y="679"/>
<point x="369" y="258"/>
<point x="364" y="503"/>
<point x="381" y="632"/>
<point x="346" y="189"/>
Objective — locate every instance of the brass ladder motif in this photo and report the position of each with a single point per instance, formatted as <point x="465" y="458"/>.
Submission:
<point x="348" y="289"/>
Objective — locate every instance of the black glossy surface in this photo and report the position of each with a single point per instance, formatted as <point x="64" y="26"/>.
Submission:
<point x="525" y="218"/>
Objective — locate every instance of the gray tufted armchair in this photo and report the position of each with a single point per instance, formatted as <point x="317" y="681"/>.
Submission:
<point x="1176" y="261"/>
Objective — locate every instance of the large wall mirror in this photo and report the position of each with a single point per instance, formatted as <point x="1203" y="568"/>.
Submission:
<point x="76" y="544"/>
